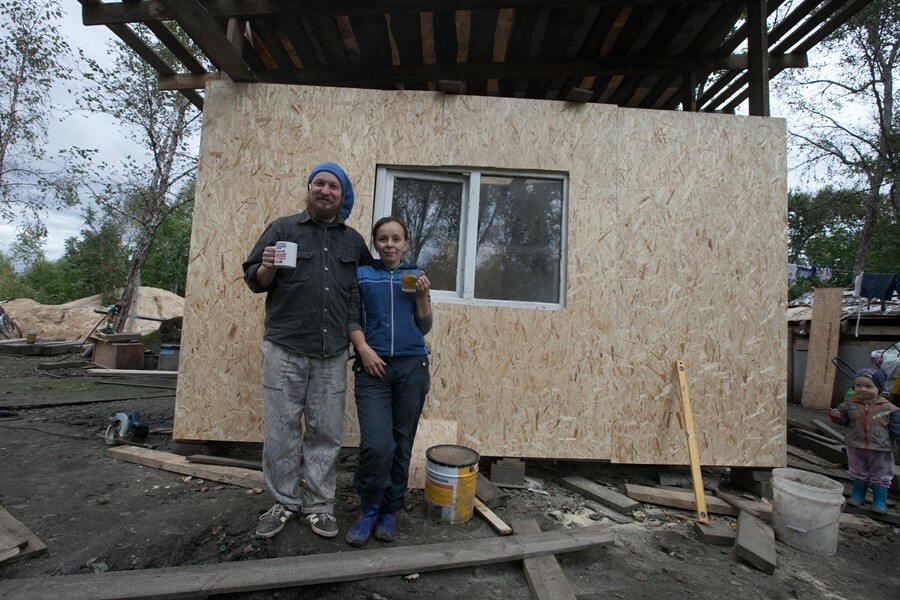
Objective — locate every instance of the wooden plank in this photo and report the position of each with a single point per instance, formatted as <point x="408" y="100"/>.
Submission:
<point x="830" y="472"/>
<point x="607" y="497"/>
<point x="755" y="543"/>
<point x="65" y="364"/>
<point x="824" y="336"/>
<point x="493" y="520"/>
<point x="129" y="373"/>
<point x="225" y="461"/>
<point x="237" y="577"/>
<point x="832" y="452"/>
<point x="545" y="577"/>
<point x="891" y="516"/>
<point x="608" y="513"/>
<point x="34" y="402"/>
<point x="247" y="478"/>
<point x="864" y="523"/>
<point x="811" y="458"/>
<point x="15" y="532"/>
<point x="488" y="493"/>
<point x="828" y="430"/>
<point x="677" y="499"/>
<point x="715" y="533"/>
<point x="760" y="510"/>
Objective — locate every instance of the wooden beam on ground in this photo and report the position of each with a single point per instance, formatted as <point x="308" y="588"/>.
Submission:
<point x="191" y="581"/>
<point x="811" y="458"/>
<point x="755" y="543"/>
<point x="608" y="512"/>
<point x="545" y="577"/>
<point x="35" y="402"/>
<point x="16" y="540"/>
<point x="225" y="461"/>
<point x="247" y="478"/>
<point x="677" y="499"/>
<point x="760" y="510"/>
<point x="826" y="450"/>
<point x="491" y="517"/>
<point x="130" y="373"/>
<point x="828" y="430"/>
<point x="605" y="496"/>
<point x="715" y="533"/>
<point x="824" y="337"/>
<point x="488" y="493"/>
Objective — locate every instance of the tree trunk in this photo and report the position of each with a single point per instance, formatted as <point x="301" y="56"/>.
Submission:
<point x="133" y="281"/>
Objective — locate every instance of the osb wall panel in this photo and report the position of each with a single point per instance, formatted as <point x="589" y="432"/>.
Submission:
<point x="700" y="278"/>
<point x="570" y="383"/>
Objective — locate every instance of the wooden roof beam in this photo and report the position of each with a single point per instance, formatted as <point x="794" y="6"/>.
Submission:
<point x="368" y="75"/>
<point x="209" y="37"/>
<point x="160" y="10"/>
<point x="156" y="62"/>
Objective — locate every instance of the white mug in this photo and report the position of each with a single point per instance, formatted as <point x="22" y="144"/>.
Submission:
<point x="285" y="255"/>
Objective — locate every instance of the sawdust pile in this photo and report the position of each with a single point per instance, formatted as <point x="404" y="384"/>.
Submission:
<point x="74" y="320"/>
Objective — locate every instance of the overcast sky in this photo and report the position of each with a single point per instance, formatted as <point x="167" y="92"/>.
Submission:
<point x="84" y="130"/>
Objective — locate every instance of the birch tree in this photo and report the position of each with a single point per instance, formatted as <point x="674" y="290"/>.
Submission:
<point x="847" y="127"/>
<point x="142" y="189"/>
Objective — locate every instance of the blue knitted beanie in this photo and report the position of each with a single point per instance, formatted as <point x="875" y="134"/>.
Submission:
<point x="346" y="186"/>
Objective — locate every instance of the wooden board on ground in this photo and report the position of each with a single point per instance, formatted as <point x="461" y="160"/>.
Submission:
<point x="488" y="493"/>
<point x="130" y="373"/>
<point x="760" y="510"/>
<point x="828" y="430"/>
<point x="431" y="432"/>
<point x="23" y="348"/>
<point x="677" y="499"/>
<point x="811" y="458"/>
<point x="851" y="522"/>
<point x="16" y="540"/>
<point x="545" y="577"/>
<point x="191" y="581"/>
<point x="491" y="517"/>
<point x="247" y="478"/>
<point x="715" y="533"/>
<point x="804" y="466"/>
<point x="605" y="496"/>
<point x="225" y="461"/>
<point x="755" y="543"/>
<point x="827" y="449"/>
<point x="825" y="332"/>
<point x="58" y="401"/>
<point x="608" y="512"/>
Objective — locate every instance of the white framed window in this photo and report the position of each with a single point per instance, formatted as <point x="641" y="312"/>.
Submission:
<point x="484" y="236"/>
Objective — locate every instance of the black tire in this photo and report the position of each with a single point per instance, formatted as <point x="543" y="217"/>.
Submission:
<point x="9" y="327"/>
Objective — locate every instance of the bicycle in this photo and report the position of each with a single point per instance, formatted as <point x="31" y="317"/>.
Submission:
<point x="8" y="327"/>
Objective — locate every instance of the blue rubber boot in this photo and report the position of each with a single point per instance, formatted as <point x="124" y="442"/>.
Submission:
<point x="359" y="532"/>
<point x="386" y="527"/>
<point x="879" y="499"/>
<point x="857" y="493"/>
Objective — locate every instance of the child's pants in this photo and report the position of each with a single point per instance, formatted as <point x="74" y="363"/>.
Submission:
<point x="872" y="467"/>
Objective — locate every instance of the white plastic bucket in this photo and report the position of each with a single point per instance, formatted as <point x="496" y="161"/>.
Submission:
<point x="806" y="509"/>
<point x="451" y="475"/>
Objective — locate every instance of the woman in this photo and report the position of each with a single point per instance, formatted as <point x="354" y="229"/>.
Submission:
<point x="392" y="378"/>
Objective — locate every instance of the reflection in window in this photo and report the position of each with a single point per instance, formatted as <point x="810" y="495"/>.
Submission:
<point x="482" y="235"/>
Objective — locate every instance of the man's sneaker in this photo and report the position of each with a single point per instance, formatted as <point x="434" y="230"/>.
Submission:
<point x="323" y="524"/>
<point x="273" y="521"/>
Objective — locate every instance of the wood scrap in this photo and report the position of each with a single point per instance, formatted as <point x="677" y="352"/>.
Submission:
<point x="755" y="543"/>
<point x="236" y="577"/>
<point x="72" y="400"/>
<point x="12" y="535"/>
<point x="225" y="461"/>
<point x="491" y="495"/>
<point x="247" y="478"/>
<point x="835" y="473"/>
<point x="677" y="499"/>
<point x="811" y="458"/>
<point x="890" y="516"/>
<point x="715" y="533"/>
<point x="829" y="451"/>
<point x="611" y="498"/>
<point x="608" y="512"/>
<point x="130" y="373"/>
<point x="828" y="430"/>
<point x="760" y="510"/>
<point x="545" y="577"/>
<point x="491" y="517"/>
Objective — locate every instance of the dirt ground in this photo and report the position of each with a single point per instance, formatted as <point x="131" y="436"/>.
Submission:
<point x="96" y="513"/>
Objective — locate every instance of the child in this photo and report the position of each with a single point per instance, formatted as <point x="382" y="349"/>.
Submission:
<point x="872" y="423"/>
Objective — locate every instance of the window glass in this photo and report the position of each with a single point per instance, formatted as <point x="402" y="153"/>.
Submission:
<point x="482" y="235"/>
<point x="519" y="239"/>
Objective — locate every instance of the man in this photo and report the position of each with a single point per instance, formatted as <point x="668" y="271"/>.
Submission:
<point x="305" y="349"/>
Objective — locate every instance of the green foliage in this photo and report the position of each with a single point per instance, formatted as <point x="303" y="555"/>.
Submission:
<point x="95" y="262"/>
<point x="166" y="264"/>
